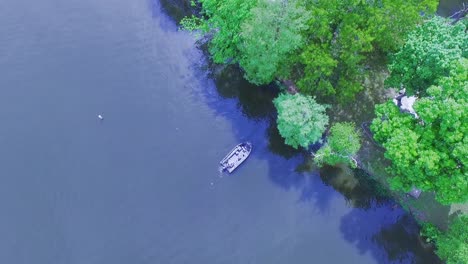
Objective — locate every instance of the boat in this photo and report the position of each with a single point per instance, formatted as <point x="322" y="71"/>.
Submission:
<point x="236" y="156"/>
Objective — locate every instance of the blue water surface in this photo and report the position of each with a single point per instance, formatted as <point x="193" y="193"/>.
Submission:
<point x="142" y="185"/>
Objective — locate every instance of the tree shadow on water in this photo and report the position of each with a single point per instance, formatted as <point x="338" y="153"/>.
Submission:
<point x="376" y="225"/>
<point x="388" y="233"/>
<point x="256" y="102"/>
<point x="293" y="173"/>
<point x="276" y="142"/>
<point x="167" y="13"/>
<point x="176" y="9"/>
<point x="359" y="188"/>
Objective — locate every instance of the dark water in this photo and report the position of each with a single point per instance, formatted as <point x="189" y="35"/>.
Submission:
<point x="143" y="186"/>
<point x="449" y="7"/>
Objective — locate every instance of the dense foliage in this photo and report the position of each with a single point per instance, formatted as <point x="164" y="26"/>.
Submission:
<point x="269" y="37"/>
<point x="301" y="120"/>
<point x="428" y="55"/>
<point x="342" y="145"/>
<point x="452" y="246"/>
<point x="341" y="35"/>
<point x="224" y="21"/>
<point x="320" y="44"/>
<point x="430" y="152"/>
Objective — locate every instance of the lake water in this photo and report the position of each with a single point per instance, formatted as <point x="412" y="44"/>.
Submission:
<point x="142" y="185"/>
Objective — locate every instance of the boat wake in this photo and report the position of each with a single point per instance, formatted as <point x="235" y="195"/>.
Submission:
<point x="221" y="174"/>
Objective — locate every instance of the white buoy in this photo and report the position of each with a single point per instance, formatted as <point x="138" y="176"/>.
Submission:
<point x="100" y="117"/>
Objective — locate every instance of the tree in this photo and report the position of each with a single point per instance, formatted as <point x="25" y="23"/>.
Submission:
<point x="392" y="20"/>
<point x="223" y="19"/>
<point x="429" y="152"/>
<point x="336" y="41"/>
<point x="322" y="45"/>
<point x="341" y="147"/>
<point x="452" y="246"/>
<point x="341" y="35"/>
<point x="428" y="54"/>
<point x="260" y="35"/>
<point x="301" y="120"/>
<point x="268" y="37"/>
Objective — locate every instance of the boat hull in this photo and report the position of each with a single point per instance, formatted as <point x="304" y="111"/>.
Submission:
<point x="236" y="157"/>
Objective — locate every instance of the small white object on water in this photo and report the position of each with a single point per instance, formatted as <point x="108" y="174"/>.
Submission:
<point x="100" y="117"/>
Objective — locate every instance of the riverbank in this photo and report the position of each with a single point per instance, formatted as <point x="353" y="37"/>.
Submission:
<point x="361" y="112"/>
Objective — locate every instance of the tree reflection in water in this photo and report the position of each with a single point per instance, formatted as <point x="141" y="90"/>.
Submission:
<point x="376" y="225"/>
<point x="358" y="187"/>
<point x="388" y="233"/>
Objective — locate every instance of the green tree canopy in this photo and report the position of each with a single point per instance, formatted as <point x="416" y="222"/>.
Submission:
<point x="341" y="34"/>
<point x="268" y="37"/>
<point x="301" y="120"/>
<point x="322" y="45"/>
<point x="452" y="246"/>
<point x="224" y="19"/>
<point x="430" y="152"/>
<point x="392" y="20"/>
<point x="428" y="54"/>
<point x="341" y="147"/>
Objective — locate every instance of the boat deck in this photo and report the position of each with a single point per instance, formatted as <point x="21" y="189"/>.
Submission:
<point x="237" y="155"/>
